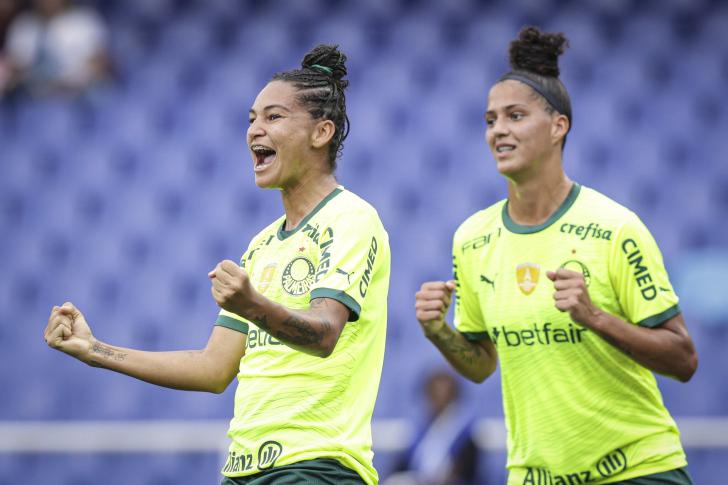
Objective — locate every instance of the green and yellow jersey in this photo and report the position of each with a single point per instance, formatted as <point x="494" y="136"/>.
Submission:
<point x="577" y="409"/>
<point x="291" y="406"/>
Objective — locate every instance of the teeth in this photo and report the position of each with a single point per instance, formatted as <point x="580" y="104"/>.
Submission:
<point x="505" y="148"/>
<point x="261" y="149"/>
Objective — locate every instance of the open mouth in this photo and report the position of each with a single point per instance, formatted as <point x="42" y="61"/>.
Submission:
<point x="505" y="148"/>
<point x="263" y="156"/>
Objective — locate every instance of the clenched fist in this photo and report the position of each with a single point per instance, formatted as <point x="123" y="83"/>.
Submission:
<point x="68" y="331"/>
<point x="572" y="296"/>
<point x="431" y="305"/>
<point x="231" y="287"/>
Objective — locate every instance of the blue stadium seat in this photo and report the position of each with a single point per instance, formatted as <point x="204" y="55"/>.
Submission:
<point x="121" y="202"/>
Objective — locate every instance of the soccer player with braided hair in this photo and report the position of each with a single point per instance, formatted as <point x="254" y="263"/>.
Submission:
<point x="568" y="290"/>
<point x="303" y="314"/>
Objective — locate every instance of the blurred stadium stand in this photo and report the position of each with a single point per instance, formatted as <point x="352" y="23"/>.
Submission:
<point x="123" y="199"/>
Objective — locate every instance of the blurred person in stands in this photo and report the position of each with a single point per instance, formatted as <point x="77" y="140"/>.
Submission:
<point x="303" y="315"/>
<point x="443" y="451"/>
<point x="568" y="290"/>
<point x="8" y="11"/>
<point x="56" y="48"/>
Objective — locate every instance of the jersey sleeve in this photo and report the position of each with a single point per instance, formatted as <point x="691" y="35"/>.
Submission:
<point x="468" y="316"/>
<point x="353" y="249"/>
<point x="231" y="320"/>
<point x="639" y="277"/>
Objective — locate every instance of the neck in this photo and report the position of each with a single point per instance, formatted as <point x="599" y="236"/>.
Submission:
<point x="533" y="201"/>
<point x="300" y="199"/>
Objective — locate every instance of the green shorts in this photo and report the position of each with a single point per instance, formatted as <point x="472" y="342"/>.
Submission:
<point x="678" y="476"/>
<point x="323" y="471"/>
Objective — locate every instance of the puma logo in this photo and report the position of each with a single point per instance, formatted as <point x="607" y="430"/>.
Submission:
<point x="488" y="281"/>
<point x="348" y="275"/>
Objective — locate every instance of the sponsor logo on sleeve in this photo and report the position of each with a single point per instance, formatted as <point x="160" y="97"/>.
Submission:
<point x="367" y="277"/>
<point x="640" y="271"/>
<point x="327" y="240"/>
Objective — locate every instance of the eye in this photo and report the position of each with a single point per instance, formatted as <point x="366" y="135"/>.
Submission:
<point x="251" y="120"/>
<point x="489" y="122"/>
<point x="273" y="116"/>
<point x="517" y="115"/>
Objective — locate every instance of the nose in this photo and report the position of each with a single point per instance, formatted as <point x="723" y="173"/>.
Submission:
<point x="255" y="129"/>
<point x="499" y="127"/>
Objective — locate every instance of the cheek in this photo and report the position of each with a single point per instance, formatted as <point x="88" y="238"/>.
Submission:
<point x="534" y="135"/>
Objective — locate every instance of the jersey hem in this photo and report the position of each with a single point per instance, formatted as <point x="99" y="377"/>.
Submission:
<point x="341" y="297"/>
<point x="283" y="234"/>
<point x="232" y="324"/>
<point x="514" y="227"/>
<point x="660" y="318"/>
<point x="366" y="472"/>
<point x="646" y="472"/>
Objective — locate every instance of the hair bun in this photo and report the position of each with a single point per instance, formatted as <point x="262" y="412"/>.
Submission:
<point x="537" y="52"/>
<point x="329" y="59"/>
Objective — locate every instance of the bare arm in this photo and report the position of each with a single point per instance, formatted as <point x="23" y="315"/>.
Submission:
<point x="210" y="369"/>
<point x="474" y="360"/>
<point x="314" y="331"/>
<point x="666" y="349"/>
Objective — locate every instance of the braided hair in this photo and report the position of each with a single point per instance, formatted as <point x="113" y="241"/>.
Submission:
<point x="534" y="59"/>
<point x="321" y="84"/>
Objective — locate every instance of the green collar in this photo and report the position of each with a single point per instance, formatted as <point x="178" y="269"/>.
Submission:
<point x="513" y="226"/>
<point x="283" y="234"/>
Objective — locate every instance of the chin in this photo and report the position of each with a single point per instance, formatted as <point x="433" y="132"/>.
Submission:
<point x="508" y="167"/>
<point x="264" y="182"/>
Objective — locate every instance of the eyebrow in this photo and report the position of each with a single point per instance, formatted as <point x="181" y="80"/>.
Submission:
<point x="507" y="108"/>
<point x="271" y="106"/>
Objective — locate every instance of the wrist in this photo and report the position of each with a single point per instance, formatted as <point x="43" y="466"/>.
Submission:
<point x="598" y="320"/>
<point x="432" y="331"/>
<point x="252" y="306"/>
<point x="88" y="357"/>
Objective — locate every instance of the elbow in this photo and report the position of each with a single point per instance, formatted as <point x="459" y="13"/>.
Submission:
<point x="478" y="378"/>
<point x="325" y="351"/>
<point x="691" y="362"/>
<point x="218" y="384"/>
<point x="217" y="388"/>
<point x="482" y="375"/>
<point x="691" y="365"/>
<point x="326" y="346"/>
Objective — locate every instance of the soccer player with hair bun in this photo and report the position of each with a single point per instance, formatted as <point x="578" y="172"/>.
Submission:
<point x="568" y="290"/>
<point x="303" y="314"/>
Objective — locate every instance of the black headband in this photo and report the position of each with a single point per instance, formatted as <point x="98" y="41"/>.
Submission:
<point x="540" y="89"/>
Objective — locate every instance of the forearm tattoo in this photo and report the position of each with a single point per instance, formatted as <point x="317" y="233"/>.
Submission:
<point x="107" y="352"/>
<point x="300" y="332"/>
<point x="458" y="347"/>
<point x="296" y="330"/>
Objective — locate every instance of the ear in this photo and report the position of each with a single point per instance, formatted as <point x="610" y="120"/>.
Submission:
<point x="322" y="133"/>
<point x="559" y="127"/>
